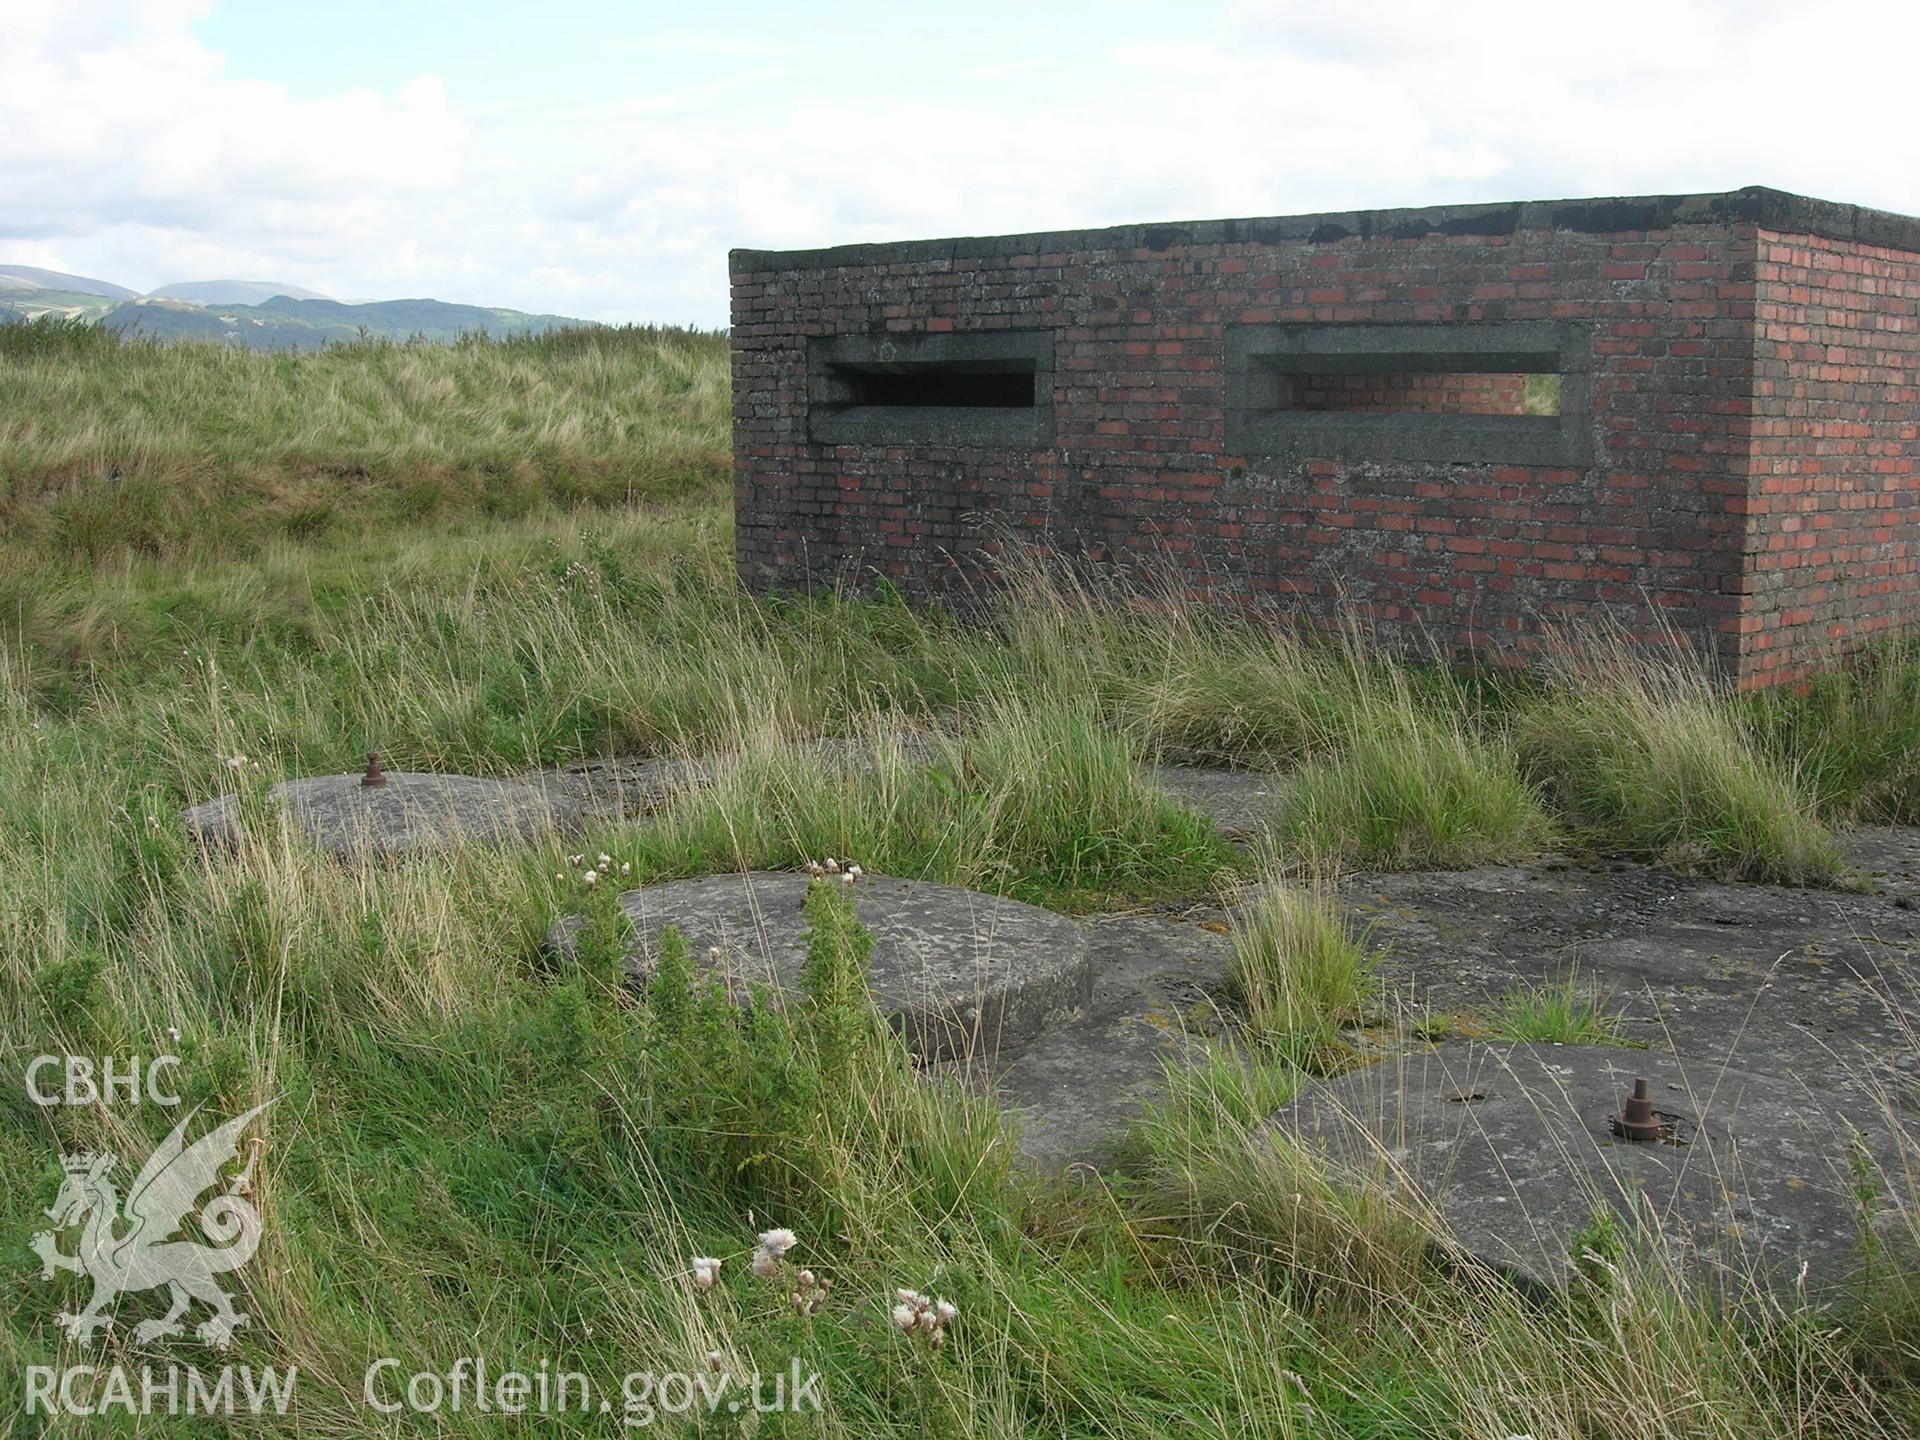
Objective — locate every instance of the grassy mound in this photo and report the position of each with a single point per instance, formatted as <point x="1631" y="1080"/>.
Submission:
<point x="111" y="444"/>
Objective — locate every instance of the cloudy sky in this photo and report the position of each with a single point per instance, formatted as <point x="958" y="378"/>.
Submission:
<point x="598" y="159"/>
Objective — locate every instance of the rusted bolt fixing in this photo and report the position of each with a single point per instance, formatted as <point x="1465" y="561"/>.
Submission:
<point x="373" y="775"/>
<point x="1636" y="1120"/>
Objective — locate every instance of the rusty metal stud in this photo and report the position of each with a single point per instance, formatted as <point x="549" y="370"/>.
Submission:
<point x="373" y="776"/>
<point x="1636" y="1120"/>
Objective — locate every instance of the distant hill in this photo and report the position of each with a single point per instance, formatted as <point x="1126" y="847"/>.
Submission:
<point x="25" y="304"/>
<point x="229" y="292"/>
<point x="32" y="277"/>
<point x="258" y="314"/>
<point x="283" y="323"/>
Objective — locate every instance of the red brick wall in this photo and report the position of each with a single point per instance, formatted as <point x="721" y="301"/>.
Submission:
<point x="1835" y="468"/>
<point x="1759" y="537"/>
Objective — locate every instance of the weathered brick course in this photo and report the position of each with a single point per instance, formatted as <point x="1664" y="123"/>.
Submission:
<point x="1736" y="459"/>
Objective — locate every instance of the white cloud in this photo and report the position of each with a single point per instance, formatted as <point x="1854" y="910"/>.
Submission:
<point x="128" y="147"/>
<point x="130" y="150"/>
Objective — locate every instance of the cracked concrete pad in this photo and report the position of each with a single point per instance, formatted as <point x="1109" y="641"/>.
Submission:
<point x="636" y="786"/>
<point x="1241" y="803"/>
<point x="609" y="790"/>
<point x="1888" y="858"/>
<point x="411" y="813"/>
<point x="1509" y="1147"/>
<point x="958" y="972"/>
<point x="1157" y="989"/>
<point x="1817" y="987"/>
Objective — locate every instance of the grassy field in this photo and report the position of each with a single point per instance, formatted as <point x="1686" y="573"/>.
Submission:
<point x="111" y="445"/>
<point x="492" y="556"/>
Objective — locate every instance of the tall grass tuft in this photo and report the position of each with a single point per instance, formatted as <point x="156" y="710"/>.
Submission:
<point x="1065" y="787"/>
<point x="1412" y="784"/>
<point x="1181" y="678"/>
<point x="1299" y="970"/>
<point x="1563" y="1012"/>
<point x="1853" y="734"/>
<point x="1248" y="1202"/>
<point x="1649" y="755"/>
<point x="1035" y="799"/>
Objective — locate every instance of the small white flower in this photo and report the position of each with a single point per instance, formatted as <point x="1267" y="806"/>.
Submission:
<point x="173" y="1034"/>
<point x="237" y="762"/>
<point x="561" y="876"/>
<point x="777" y="1242"/>
<point x="626" y="869"/>
<point x="590" y="879"/>
<point x="917" y="1314"/>
<point x="706" y="1272"/>
<point x="603" y="859"/>
<point x="765" y="1265"/>
<point x="855" y="871"/>
<point x="848" y="878"/>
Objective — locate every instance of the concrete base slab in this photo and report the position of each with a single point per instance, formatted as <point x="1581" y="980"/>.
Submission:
<point x="959" y="972"/>
<point x="409" y="814"/>
<point x="1887" y="858"/>
<point x="1509" y="1147"/>
<point x="1157" y="989"/>
<point x="637" y="786"/>
<point x="1820" y="988"/>
<point x="612" y="790"/>
<point x="1241" y="803"/>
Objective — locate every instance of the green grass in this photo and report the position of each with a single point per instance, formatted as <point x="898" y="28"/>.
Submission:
<point x="1240" y="1201"/>
<point x="1299" y="970"/>
<point x="1646" y="753"/>
<point x="110" y="445"/>
<point x="1562" y="1013"/>
<point x="479" y="1149"/>
<point x="1032" y="800"/>
<point x="1177" y="678"/>
<point x="1852" y="735"/>
<point x="1411" y="783"/>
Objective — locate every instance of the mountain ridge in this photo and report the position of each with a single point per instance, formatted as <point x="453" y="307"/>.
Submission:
<point x="269" y="316"/>
<point x="230" y="292"/>
<point x="35" y="278"/>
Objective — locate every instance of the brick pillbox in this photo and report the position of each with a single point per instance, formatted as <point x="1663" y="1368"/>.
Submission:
<point x="1698" y="413"/>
